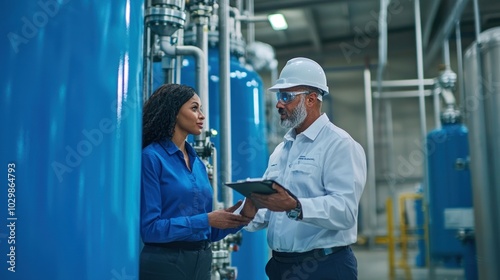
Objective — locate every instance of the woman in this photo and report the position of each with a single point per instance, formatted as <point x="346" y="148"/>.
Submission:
<point x="177" y="221"/>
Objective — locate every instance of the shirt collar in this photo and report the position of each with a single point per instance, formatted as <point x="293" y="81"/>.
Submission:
<point x="171" y="148"/>
<point x="312" y="131"/>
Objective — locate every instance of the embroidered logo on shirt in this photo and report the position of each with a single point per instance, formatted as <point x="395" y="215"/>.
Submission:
<point x="306" y="158"/>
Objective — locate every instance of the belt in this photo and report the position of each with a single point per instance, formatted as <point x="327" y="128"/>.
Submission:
<point x="184" y="245"/>
<point x="314" y="254"/>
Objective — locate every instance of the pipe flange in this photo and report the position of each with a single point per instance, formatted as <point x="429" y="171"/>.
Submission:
<point x="165" y="21"/>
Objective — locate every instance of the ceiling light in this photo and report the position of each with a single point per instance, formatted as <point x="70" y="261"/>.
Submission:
<point x="277" y="21"/>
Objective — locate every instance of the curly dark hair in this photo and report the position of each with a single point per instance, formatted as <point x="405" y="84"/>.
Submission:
<point x="160" y="112"/>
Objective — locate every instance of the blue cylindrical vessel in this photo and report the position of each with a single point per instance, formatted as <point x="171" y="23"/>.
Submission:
<point x="249" y="146"/>
<point x="450" y="192"/>
<point x="70" y="113"/>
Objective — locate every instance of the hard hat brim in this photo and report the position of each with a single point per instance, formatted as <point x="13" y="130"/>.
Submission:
<point x="277" y="87"/>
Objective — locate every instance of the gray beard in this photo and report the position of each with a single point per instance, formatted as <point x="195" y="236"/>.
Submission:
<point x="297" y="116"/>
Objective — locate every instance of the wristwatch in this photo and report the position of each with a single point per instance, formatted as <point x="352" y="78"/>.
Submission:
<point x="295" y="213"/>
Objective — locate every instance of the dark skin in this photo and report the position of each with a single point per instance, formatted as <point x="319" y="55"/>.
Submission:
<point x="225" y="218"/>
<point x="189" y="121"/>
<point x="281" y="200"/>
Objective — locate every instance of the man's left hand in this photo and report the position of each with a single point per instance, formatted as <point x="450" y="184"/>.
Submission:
<point x="278" y="202"/>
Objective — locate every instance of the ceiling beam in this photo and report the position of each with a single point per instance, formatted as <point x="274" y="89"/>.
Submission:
<point x="268" y="6"/>
<point x="431" y="16"/>
<point x="444" y="31"/>
<point x="313" y="29"/>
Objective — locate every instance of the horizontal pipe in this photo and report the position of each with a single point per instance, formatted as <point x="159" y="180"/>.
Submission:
<point x="404" y="83"/>
<point x="401" y="94"/>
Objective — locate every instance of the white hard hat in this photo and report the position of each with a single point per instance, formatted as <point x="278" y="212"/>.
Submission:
<point x="301" y="71"/>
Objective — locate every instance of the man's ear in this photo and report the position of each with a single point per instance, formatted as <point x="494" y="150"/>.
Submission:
<point x="312" y="98"/>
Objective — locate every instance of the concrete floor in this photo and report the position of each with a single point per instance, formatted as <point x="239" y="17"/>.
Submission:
<point x="373" y="265"/>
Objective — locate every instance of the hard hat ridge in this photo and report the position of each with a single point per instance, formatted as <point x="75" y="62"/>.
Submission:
<point x="301" y="71"/>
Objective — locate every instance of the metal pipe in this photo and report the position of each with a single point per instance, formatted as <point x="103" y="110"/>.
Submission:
<point x="239" y="5"/>
<point x="201" y="67"/>
<point x="431" y="15"/>
<point x="437" y="106"/>
<point x="370" y="212"/>
<point x="405" y="83"/>
<point x="237" y="20"/>
<point x="460" y="72"/>
<point x="250" y="25"/>
<point x="445" y="31"/>
<point x="390" y="140"/>
<point x="421" y="99"/>
<point x="178" y="62"/>
<point x="202" y="43"/>
<point x="215" y="179"/>
<point x="167" y="65"/>
<point x="147" y="66"/>
<point x="446" y="53"/>
<point x="401" y="94"/>
<point x="225" y="100"/>
<point x="477" y="20"/>
<point x="382" y="43"/>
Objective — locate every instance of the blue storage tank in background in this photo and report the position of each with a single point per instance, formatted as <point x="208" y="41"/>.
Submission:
<point x="450" y="191"/>
<point x="249" y="145"/>
<point x="70" y="114"/>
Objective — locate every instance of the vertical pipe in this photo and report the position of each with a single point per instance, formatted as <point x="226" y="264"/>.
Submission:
<point x="370" y="212"/>
<point x="437" y="105"/>
<point x="239" y="5"/>
<point x="446" y="53"/>
<point x="460" y="71"/>
<point x="225" y="101"/>
<point x="202" y="43"/>
<point x="215" y="180"/>
<point x="382" y="43"/>
<point x="178" y="61"/>
<point x="146" y="66"/>
<point x="390" y="139"/>
<point x="423" y="126"/>
<point x="477" y="20"/>
<point x="250" y="25"/>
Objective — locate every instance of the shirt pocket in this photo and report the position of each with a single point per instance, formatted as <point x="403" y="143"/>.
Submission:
<point x="305" y="179"/>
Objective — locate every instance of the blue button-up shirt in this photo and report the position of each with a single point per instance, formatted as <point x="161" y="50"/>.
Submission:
<point x="174" y="200"/>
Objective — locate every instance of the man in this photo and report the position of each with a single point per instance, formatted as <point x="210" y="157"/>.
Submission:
<point x="320" y="173"/>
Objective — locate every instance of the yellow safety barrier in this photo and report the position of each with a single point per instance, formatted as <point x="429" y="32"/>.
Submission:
<point x="391" y="240"/>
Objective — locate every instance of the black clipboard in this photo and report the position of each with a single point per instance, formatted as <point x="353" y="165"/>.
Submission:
<point x="246" y="187"/>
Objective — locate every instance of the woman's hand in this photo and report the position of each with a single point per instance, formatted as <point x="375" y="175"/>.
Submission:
<point x="249" y="209"/>
<point x="225" y="218"/>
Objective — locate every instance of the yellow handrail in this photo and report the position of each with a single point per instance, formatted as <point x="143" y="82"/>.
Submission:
<point x="404" y="237"/>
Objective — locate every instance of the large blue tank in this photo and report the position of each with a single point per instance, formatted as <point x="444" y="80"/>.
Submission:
<point x="249" y="146"/>
<point x="70" y="114"/>
<point x="450" y="192"/>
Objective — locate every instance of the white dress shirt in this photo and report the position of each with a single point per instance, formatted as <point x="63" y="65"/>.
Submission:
<point x="326" y="169"/>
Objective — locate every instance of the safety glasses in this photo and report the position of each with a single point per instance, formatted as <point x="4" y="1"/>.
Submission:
<point x="286" y="97"/>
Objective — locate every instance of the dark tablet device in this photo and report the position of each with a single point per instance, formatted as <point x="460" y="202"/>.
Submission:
<point x="246" y="187"/>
